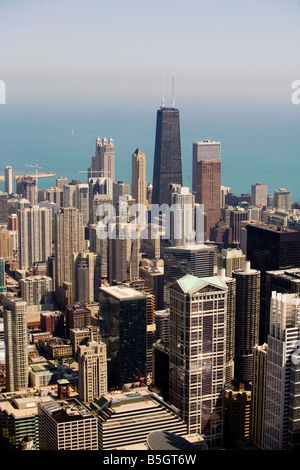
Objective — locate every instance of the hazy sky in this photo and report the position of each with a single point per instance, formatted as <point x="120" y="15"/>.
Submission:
<point x="97" y="67"/>
<point x="64" y="49"/>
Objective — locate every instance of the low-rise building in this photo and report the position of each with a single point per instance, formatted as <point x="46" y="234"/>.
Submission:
<point x="56" y="347"/>
<point x="67" y="425"/>
<point x="42" y="374"/>
<point x="19" y="418"/>
<point x="127" y="417"/>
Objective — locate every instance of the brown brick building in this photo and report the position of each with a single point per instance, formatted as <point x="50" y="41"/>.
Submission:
<point x="209" y="192"/>
<point x="77" y="316"/>
<point x="207" y="181"/>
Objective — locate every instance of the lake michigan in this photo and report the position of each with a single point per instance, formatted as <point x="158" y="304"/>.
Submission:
<point x="257" y="146"/>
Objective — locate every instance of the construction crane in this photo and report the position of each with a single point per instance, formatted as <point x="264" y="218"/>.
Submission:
<point x="36" y="171"/>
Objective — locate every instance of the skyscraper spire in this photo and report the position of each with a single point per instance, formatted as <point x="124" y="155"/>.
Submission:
<point x="163" y="91"/>
<point x="173" y="90"/>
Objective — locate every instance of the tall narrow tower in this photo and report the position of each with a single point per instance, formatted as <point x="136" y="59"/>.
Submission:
<point x="103" y="163"/>
<point x="84" y="276"/>
<point x="246" y="320"/>
<point x="124" y="330"/>
<point x="138" y="182"/>
<point x="92" y="371"/>
<point x="123" y="252"/>
<point x="8" y="172"/>
<point x="167" y="156"/>
<point x="258" y="394"/>
<point x="281" y="429"/>
<point x="183" y="228"/>
<point x="198" y="308"/>
<point x="16" y="343"/>
<point x="35" y="235"/>
<point x="207" y="180"/>
<point x="68" y="240"/>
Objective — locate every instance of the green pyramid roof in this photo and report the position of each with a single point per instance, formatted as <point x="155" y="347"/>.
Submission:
<point x="190" y="283"/>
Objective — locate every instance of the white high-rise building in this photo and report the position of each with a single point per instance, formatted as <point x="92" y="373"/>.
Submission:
<point x="61" y="181"/>
<point x="35" y="235"/>
<point x="283" y="199"/>
<point x="123" y="252"/>
<point x="197" y="347"/>
<point x="183" y="220"/>
<point x="224" y="191"/>
<point x="38" y="291"/>
<point x="206" y="150"/>
<point x="69" y="239"/>
<point x="119" y="189"/>
<point x="259" y="194"/>
<point x="139" y="184"/>
<point x="231" y="259"/>
<point x="103" y="163"/>
<point x="16" y="343"/>
<point x="8" y="177"/>
<point x="81" y="201"/>
<point x="92" y="371"/>
<point x="69" y="195"/>
<point x="283" y="341"/>
<point x="100" y="198"/>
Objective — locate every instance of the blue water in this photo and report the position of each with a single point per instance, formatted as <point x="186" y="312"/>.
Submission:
<point x="258" y="145"/>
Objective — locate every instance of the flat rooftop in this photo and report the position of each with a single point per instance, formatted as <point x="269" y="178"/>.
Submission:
<point x="206" y="142"/>
<point x="189" y="248"/>
<point x="292" y="274"/>
<point x="123" y="292"/>
<point x="23" y="406"/>
<point x="136" y="399"/>
<point x="133" y="405"/>
<point x="66" y="410"/>
<point x="119" y="397"/>
<point x="272" y="227"/>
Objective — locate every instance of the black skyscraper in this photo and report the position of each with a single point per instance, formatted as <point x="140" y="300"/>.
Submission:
<point x="271" y="248"/>
<point x="167" y="158"/>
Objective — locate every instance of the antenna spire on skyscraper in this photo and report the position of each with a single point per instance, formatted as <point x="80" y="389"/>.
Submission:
<point x="173" y="89"/>
<point x="167" y="168"/>
<point x="163" y="91"/>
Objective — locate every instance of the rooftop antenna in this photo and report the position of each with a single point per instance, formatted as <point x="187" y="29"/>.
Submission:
<point x="173" y="89"/>
<point x="163" y="91"/>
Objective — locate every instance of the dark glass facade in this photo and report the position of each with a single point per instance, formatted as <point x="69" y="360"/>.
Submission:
<point x="123" y="328"/>
<point x="271" y="248"/>
<point x="167" y="157"/>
